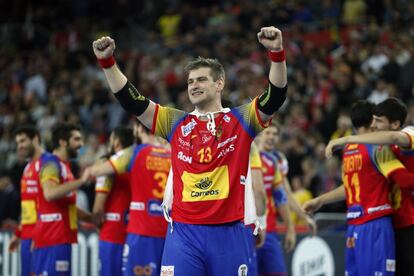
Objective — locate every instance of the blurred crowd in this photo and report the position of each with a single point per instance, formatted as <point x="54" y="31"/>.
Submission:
<point x="338" y="51"/>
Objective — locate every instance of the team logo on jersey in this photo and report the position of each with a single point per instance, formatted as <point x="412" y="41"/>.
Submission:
<point x="188" y="128"/>
<point x="204" y="183"/>
<point x="219" y="132"/>
<point x="212" y="185"/>
<point x="242" y="271"/>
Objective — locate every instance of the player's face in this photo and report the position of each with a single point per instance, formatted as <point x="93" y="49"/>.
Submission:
<point x="380" y="123"/>
<point x="25" y="146"/>
<point x="75" y="143"/>
<point x="269" y="138"/>
<point x="202" y="89"/>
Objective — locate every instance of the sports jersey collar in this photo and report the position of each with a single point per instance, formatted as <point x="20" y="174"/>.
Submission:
<point x="211" y="124"/>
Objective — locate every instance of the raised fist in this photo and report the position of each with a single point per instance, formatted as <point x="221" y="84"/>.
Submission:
<point x="103" y="47"/>
<point x="271" y="38"/>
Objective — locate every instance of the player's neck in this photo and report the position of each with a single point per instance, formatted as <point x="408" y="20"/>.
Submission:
<point x="61" y="153"/>
<point x="208" y="108"/>
<point x="37" y="153"/>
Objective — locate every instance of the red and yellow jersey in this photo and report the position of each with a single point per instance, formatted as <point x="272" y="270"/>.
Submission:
<point x="272" y="178"/>
<point x="57" y="220"/>
<point x="29" y="187"/>
<point x="209" y="164"/>
<point x="403" y="198"/>
<point x="365" y="172"/>
<point x="149" y="167"/>
<point x="116" y="206"/>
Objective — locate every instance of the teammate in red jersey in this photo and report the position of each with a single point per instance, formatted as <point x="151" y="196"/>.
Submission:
<point x="209" y="151"/>
<point x="28" y="143"/>
<point x="110" y="208"/>
<point x="391" y="115"/>
<point x="368" y="198"/>
<point x="56" y="228"/>
<point x="148" y="166"/>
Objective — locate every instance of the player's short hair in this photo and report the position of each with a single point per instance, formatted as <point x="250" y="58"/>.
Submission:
<point x="125" y="135"/>
<point x="62" y="131"/>
<point x="393" y="109"/>
<point x="29" y="130"/>
<point x="361" y="113"/>
<point x="216" y="68"/>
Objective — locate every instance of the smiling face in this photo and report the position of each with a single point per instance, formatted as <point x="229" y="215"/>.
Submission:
<point x="202" y="89"/>
<point x="25" y="145"/>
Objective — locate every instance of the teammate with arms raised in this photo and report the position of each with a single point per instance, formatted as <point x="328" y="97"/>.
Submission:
<point x="210" y="154"/>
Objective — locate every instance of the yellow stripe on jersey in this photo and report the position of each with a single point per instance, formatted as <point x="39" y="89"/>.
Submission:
<point x="103" y="184"/>
<point x="165" y="119"/>
<point x="73" y="217"/>
<point x="49" y="172"/>
<point x="251" y="117"/>
<point x="386" y="161"/>
<point x="122" y="159"/>
<point x="277" y="181"/>
<point x="29" y="213"/>
<point x="255" y="161"/>
<point x="212" y="185"/>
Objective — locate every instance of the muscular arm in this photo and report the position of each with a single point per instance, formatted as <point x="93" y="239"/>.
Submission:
<point x="335" y="195"/>
<point x="53" y="190"/>
<point x="259" y="191"/>
<point x="102" y="169"/>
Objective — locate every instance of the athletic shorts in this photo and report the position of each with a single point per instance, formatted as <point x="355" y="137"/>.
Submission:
<point x="142" y="255"/>
<point x="212" y="250"/>
<point x="26" y="257"/>
<point x="110" y="258"/>
<point x="53" y="260"/>
<point x="370" y="248"/>
<point x="270" y="258"/>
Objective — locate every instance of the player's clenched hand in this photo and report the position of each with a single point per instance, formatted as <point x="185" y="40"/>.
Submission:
<point x="312" y="205"/>
<point x="103" y="47"/>
<point x="14" y="243"/>
<point x="87" y="176"/>
<point x="332" y="145"/>
<point x="260" y="238"/>
<point x="271" y="38"/>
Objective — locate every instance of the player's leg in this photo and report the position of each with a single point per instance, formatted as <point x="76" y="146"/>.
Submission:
<point x="227" y="250"/>
<point x="184" y="250"/>
<point x="143" y="255"/>
<point x="271" y="260"/>
<point x="110" y="258"/>
<point x="375" y="247"/>
<point x="404" y="247"/>
<point x="350" y="261"/>
<point x="54" y="260"/>
<point x="27" y="266"/>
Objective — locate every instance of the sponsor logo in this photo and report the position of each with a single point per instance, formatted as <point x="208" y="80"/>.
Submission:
<point x="51" y="217"/>
<point x="32" y="190"/>
<point x="137" y="206"/>
<point x="227" y="119"/>
<point x="125" y="253"/>
<point x="167" y="270"/>
<point x="242" y="271"/>
<point x="154" y="207"/>
<point x="185" y="130"/>
<point x="62" y="266"/>
<point x="379" y="208"/>
<point x="353" y="215"/>
<point x="390" y="265"/>
<point x="112" y="217"/>
<point x="143" y="270"/>
<point x="228" y="140"/>
<point x="181" y="156"/>
<point x="205" y="139"/>
<point x="354" y="212"/>
<point x="242" y="179"/>
<point x="204" y="183"/>
<point x="223" y="152"/>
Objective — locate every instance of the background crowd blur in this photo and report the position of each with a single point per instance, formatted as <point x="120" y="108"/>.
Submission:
<point x="338" y="51"/>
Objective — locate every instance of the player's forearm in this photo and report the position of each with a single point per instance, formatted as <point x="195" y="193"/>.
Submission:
<point x="259" y="192"/>
<point x="278" y="74"/>
<point x="116" y="79"/>
<point x="333" y="196"/>
<point x="284" y="212"/>
<point x="99" y="203"/>
<point x="379" y="138"/>
<point x="84" y="215"/>
<point x="102" y="169"/>
<point x="52" y="191"/>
